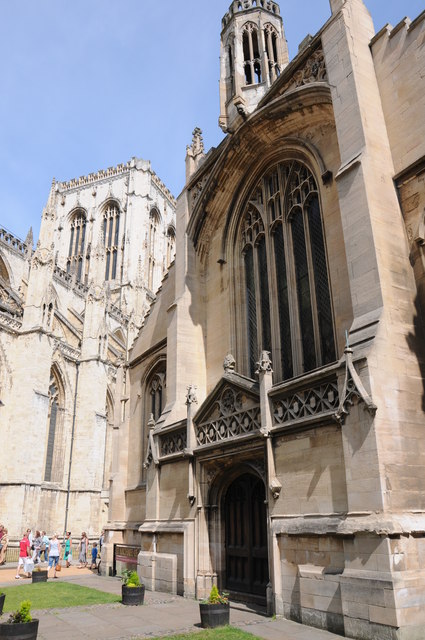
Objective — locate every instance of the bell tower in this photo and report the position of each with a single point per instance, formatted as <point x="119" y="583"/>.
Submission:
<point x="253" y="53"/>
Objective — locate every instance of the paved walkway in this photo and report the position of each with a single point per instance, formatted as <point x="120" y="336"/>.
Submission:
<point x="162" y="614"/>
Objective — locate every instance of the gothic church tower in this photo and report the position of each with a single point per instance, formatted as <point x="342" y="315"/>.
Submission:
<point x="253" y="53"/>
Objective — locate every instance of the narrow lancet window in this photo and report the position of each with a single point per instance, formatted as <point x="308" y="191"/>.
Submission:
<point x="76" y="244"/>
<point x="111" y="228"/>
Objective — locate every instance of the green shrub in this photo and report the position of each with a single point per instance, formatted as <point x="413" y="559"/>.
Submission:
<point x="130" y="578"/>
<point x="22" y="614"/>
<point x="216" y="597"/>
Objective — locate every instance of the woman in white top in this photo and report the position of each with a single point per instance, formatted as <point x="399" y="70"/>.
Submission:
<point x="54" y="552"/>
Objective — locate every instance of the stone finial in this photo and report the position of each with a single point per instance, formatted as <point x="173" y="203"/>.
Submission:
<point x="151" y="422"/>
<point x="264" y="365"/>
<point x="29" y="240"/>
<point x="191" y="397"/>
<point x="197" y="146"/>
<point x="229" y="363"/>
<point x="52" y="193"/>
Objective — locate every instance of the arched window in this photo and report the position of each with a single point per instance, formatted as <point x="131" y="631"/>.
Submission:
<point x="154" y="403"/>
<point x="156" y="392"/>
<point x="111" y="229"/>
<point x="154" y="221"/>
<point x="171" y="245"/>
<point x="251" y="54"/>
<point x="286" y="274"/>
<point x="53" y="470"/>
<point x="76" y="243"/>
<point x="48" y="314"/>
<point x="270" y="37"/>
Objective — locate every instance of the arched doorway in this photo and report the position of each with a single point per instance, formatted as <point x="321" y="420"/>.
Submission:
<point x="247" y="570"/>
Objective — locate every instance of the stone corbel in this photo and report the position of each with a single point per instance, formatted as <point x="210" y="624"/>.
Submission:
<point x="353" y="387"/>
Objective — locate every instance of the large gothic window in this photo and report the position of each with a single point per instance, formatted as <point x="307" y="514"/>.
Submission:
<point x="53" y="470"/>
<point x="76" y="244"/>
<point x="111" y="229"/>
<point x="287" y="296"/>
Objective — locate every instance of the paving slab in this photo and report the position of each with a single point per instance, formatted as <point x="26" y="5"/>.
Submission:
<point x="162" y="614"/>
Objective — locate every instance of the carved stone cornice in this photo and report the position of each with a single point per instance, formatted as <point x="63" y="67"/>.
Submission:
<point x="9" y="323"/>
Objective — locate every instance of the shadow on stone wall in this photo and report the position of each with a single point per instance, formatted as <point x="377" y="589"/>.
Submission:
<point x="416" y="344"/>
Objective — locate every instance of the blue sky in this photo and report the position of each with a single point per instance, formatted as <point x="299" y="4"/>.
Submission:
<point x="88" y="84"/>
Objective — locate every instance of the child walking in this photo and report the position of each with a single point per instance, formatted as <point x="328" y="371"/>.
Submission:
<point x="94" y="556"/>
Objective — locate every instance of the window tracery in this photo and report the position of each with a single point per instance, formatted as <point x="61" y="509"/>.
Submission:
<point x="111" y="228"/>
<point x="76" y="244"/>
<point x="287" y="297"/>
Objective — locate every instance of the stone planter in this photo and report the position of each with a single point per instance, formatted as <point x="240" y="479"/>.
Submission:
<point x="39" y="576"/>
<point x="214" y="615"/>
<point x="133" y="595"/>
<point x="2" y="599"/>
<point x="19" y="631"/>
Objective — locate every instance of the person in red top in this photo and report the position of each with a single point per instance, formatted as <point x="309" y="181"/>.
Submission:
<point x="24" y="552"/>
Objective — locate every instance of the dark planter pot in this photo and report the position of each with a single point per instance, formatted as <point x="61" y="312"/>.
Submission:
<point x="39" y="576"/>
<point x="133" y="595"/>
<point x="214" y="615"/>
<point x="19" y="631"/>
<point x="2" y="599"/>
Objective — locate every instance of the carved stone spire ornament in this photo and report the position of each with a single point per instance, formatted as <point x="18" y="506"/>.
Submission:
<point x="191" y="396"/>
<point x="29" y="240"/>
<point x="353" y="388"/>
<point x="197" y="145"/>
<point x="264" y="365"/>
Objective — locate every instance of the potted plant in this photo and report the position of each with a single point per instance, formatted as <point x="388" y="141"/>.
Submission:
<point x="133" y="591"/>
<point x="20" y="624"/>
<point x="2" y="598"/>
<point x="39" y="575"/>
<point x="215" y="610"/>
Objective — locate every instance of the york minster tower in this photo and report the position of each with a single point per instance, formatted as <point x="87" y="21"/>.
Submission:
<point x="69" y="312"/>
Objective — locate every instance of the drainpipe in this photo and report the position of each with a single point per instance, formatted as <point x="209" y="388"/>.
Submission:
<point x="68" y="491"/>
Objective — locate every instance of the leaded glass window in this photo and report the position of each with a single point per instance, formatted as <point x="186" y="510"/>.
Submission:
<point x="287" y="294"/>
<point x="77" y="241"/>
<point x="111" y="229"/>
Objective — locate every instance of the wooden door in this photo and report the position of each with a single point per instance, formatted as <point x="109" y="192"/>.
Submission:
<point x="246" y="536"/>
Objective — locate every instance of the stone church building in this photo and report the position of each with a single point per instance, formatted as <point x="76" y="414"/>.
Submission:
<point x="274" y="442"/>
<point x="69" y="313"/>
<point x="261" y="426"/>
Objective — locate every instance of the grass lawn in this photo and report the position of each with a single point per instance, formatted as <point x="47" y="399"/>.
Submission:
<point x="222" y="633"/>
<point x="50" y="595"/>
